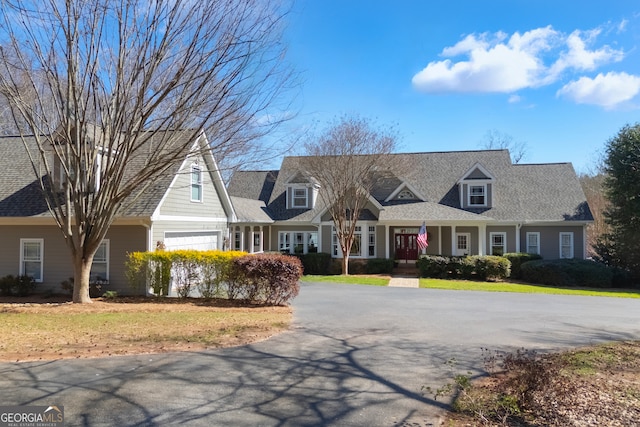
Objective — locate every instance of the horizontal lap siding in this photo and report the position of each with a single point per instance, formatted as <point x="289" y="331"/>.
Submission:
<point x="58" y="265"/>
<point x="550" y="240"/>
<point x="178" y="200"/>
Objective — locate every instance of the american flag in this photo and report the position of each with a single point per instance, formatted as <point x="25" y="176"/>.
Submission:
<point x="422" y="237"/>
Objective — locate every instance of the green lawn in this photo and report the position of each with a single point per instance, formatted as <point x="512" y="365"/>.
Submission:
<point x="466" y="285"/>
<point x="352" y="280"/>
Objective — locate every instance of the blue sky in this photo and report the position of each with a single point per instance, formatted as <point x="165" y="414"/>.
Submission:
<point x="561" y="76"/>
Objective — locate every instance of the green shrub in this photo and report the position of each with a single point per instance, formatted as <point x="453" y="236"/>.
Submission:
<point x="474" y="267"/>
<point x="568" y="273"/>
<point x="379" y="266"/>
<point x="517" y="259"/>
<point x="316" y="263"/>
<point x="433" y="266"/>
<point x="270" y="279"/>
<point x="491" y="267"/>
<point x="21" y="286"/>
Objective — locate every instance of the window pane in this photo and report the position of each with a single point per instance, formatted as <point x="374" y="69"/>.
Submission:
<point x="32" y="268"/>
<point x="312" y="242"/>
<point x="31" y="251"/>
<point x="357" y="243"/>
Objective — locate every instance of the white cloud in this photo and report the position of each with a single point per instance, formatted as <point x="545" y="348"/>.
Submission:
<point x="514" y="99"/>
<point x="606" y="90"/>
<point x="504" y="64"/>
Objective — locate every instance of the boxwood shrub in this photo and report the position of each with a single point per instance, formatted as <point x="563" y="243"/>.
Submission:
<point x="517" y="259"/>
<point x="568" y="273"/>
<point x="472" y="267"/>
<point x="379" y="266"/>
<point x="316" y="263"/>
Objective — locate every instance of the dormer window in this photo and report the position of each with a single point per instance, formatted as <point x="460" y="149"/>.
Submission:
<point x="300" y="197"/>
<point x="477" y="195"/>
<point x="406" y="195"/>
<point x="476" y="188"/>
<point x="196" y="183"/>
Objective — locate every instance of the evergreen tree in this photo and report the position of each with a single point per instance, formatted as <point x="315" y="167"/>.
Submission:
<point x="621" y="246"/>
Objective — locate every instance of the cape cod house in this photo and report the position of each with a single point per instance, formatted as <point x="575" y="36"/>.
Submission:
<point x="473" y="203"/>
<point x="188" y="207"/>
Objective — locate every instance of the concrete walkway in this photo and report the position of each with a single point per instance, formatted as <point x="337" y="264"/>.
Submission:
<point x="404" y="282"/>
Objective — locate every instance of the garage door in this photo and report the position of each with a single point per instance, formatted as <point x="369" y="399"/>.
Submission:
<point x="199" y="240"/>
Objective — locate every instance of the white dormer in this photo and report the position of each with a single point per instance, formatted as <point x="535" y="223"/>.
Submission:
<point x="476" y="188"/>
<point x="405" y="192"/>
<point x="302" y="192"/>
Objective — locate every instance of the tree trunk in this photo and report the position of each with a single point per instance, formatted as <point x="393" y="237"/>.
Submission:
<point x="82" y="271"/>
<point x="345" y="264"/>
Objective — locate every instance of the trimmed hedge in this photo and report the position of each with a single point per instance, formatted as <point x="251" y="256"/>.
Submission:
<point x="472" y="267"/>
<point x="271" y="279"/>
<point x="379" y="266"/>
<point x="517" y="259"/>
<point x="257" y="279"/>
<point x="205" y="271"/>
<point x="315" y="263"/>
<point x="568" y="273"/>
<point x="21" y="286"/>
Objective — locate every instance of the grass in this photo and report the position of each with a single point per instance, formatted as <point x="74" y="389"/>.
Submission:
<point x="103" y="328"/>
<point x="351" y="280"/>
<point x="467" y="285"/>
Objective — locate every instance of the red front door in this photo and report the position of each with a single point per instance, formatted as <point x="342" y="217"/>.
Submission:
<point x="406" y="246"/>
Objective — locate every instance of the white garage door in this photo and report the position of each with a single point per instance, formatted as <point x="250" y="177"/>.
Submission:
<point x="199" y="240"/>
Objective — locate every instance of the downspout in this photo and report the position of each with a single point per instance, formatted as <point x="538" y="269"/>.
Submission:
<point x="518" y="227"/>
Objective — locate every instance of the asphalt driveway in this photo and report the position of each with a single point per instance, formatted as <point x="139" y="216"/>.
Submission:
<point x="356" y="356"/>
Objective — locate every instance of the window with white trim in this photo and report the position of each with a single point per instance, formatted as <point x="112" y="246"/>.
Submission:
<point x="31" y="258"/>
<point x="100" y="266"/>
<point x="300" y="197"/>
<point x="284" y="240"/>
<point x="334" y="243"/>
<point x="533" y="242"/>
<point x="477" y="195"/>
<point x="356" y="246"/>
<point x="312" y="242"/>
<point x="498" y="243"/>
<point x="372" y="241"/>
<point x="196" y="183"/>
<point x="566" y="245"/>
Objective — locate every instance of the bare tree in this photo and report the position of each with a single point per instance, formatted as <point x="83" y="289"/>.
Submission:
<point x="593" y="187"/>
<point x="347" y="160"/>
<point x="496" y="140"/>
<point x="109" y="95"/>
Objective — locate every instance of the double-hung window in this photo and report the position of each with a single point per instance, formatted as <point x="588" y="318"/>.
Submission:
<point x="566" y="245"/>
<point x="31" y="258"/>
<point x="372" y="241"/>
<point x="498" y="243"/>
<point x="299" y="197"/>
<point x="477" y="195"/>
<point x="100" y="266"/>
<point x="533" y="243"/>
<point x="196" y="183"/>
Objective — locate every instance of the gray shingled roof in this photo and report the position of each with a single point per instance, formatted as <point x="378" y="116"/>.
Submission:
<point x="21" y="196"/>
<point x="250" y="210"/>
<point x="531" y="192"/>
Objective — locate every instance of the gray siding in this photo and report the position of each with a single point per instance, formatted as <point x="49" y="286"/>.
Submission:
<point x="57" y="263"/>
<point x="178" y="200"/>
<point x="550" y="240"/>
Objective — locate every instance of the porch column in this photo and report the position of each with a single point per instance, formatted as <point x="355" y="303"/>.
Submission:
<point x="386" y="242"/>
<point x="261" y="239"/>
<point x="250" y="236"/>
<point x="439" y="240"/>
<point x="454" y="243"/>
<point x="517" y="238"/>
<point x="242" y="238"/>
<point x="482" y="243"/>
